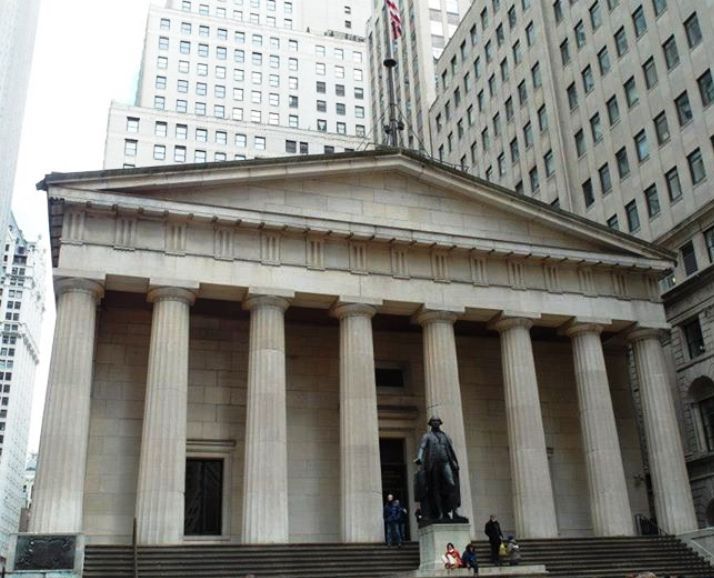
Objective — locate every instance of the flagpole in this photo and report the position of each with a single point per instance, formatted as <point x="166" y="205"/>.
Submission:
<point x="390" y="63"/>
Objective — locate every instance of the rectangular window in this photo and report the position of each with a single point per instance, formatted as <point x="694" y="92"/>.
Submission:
<point x="641" y="146"/>
<point x="709" y="242"/>
<point x="579" y="34"/>
<point x="621" y="42"/>
<point x="613" y="223"/>
<point x="659" y="6"/>
<point x="130" y="147"/>
<point x="706" y="88"/>
<point x="631" y="92"/>
<point x="542" y="118"/>
<point x="596" y="127"/>
<point x="695" y="340"/>
<point x="159" y="152"/>
<point x="650" y="72"/>
<point x="633" y="217"/>
<point x="639" y="22"/>
<point x="595" y="16"/>
<point x="588" y="79"/>
<point x="689" y="258"/>
<point x="623" y="164"/>
<point x="573" y="96"/>
<point x="603" y="59"/>
<point x="588" y="195"/>
<point x="549" y="163"/>
<point x="535" y="181"/>
<point x="661" y="128"/>
<point x="693" y="30"/>
<point x="671" y="54"/>
<point x="605" y="178"/>
<point x="180" y="154"/>
<point x="696" y="167"/>
<point x="684" y="108"/>
<point x="565" y="52"/>
<point x="652" y="200"/>
<point x="132" y="124"/>
<point x="535" y="74"/>
<point x="580" y="143"/>
<point x="674" y="187"/>
<point x="161" y="128"/>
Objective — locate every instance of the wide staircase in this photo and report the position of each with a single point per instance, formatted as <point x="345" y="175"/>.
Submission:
<point x="567" y="557"/>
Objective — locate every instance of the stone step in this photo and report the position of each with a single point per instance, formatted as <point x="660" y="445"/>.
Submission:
<point x="567" y="557"/>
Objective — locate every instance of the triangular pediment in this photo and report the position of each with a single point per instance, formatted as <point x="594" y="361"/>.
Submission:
<point x="367" y="191"/>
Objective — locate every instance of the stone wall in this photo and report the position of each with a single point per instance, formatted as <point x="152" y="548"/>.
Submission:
<point x="217" y="390"/>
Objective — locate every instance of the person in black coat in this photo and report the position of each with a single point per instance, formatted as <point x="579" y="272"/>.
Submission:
<point x="495" y="537"/>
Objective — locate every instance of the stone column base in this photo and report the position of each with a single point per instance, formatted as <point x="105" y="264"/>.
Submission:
<point x="432" y="545"/>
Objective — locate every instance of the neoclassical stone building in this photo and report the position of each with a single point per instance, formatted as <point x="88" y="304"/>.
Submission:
<point x="249" y="351"/>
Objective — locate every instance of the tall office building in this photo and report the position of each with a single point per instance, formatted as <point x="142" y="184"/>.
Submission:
<point x="603" y="108"/>
<point x="18" y="23"/>
<point x="21" y="312"/>
<point x="235" y="79"/>
<point x="427" y="26"/>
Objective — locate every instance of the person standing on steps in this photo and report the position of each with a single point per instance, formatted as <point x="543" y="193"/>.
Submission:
<point x="385" y="513"/>
<point x="394" y="516"/>
<point x="495" y="537"/>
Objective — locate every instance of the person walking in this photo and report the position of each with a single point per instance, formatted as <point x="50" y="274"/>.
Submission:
<point x="403" y="519"/>
<point x="495" y="537"/>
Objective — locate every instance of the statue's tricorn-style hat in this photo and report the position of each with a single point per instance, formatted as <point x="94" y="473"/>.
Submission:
<point x="435" y="418"/>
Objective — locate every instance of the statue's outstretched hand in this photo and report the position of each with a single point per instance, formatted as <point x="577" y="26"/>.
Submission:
<point x="417" y="462"/>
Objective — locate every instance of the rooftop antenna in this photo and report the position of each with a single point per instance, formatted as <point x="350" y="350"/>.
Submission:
<point x="395" y="126"/>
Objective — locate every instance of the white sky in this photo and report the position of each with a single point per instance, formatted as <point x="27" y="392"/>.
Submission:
<point x="87" y="53"/>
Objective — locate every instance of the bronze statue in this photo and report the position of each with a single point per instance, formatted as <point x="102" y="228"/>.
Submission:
<point x="436" y="485"/>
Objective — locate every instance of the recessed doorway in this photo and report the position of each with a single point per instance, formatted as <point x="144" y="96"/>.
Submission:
<point x="395" y="479"/>
<point x="203" y="514"/>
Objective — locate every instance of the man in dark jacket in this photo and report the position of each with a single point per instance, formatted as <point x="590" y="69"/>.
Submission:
<point x="493" y="531"/>
<point x="394" y="517"/>
<point x="385" y="514"/>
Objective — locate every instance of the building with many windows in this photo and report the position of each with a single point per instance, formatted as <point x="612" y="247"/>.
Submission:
<point x="236" y="79"/>
<point x="21" y="311"/>
<point x="427" y="27"/>
<point x="18" y="23"/>
<point x="603" y="108"/>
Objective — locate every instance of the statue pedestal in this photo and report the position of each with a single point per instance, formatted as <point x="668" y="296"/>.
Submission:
<point x="46" y="555"/>
<point x="432" y="545"/>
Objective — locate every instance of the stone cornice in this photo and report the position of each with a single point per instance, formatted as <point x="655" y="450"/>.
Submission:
<point x="332" y="228"/>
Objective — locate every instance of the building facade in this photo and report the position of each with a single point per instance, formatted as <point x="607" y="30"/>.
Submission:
<point x="239" y="348"/>
<point x="427" y="27"/>
<point x="22" y="309"/>
<point x="234" y="80"/>
<point x="18" y="24"/>
<point x="604" y="109"/>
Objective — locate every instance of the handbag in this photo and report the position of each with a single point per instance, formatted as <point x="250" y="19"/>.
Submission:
<point x="502" y="550"/>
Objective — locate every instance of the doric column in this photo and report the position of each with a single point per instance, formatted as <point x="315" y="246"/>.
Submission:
<point x="59" y="487"/>
<point x="162" y="465"/>
<point x="670" y="483"/>
<point x="443" y="390"/>
<point x="533" y="504"/>
<point x="265" y="472"/>
<point x="360" y="472"/>
<point x="609" y="502"/>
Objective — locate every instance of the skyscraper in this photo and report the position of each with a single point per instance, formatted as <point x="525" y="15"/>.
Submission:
<point x="18" y="22"/>
<point x="22" y="309"/>
<point x="427" y="26"/>
<point x="603" y="108"/>
<point x="234" y="79"/>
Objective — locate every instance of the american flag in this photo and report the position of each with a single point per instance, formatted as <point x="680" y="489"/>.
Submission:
<point x="394" y="19"/>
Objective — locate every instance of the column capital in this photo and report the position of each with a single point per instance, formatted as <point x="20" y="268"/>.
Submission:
<point x="504" y="323"/>
<point x="577" y="327"/>
<point x="171" y="294"/>
<point x="342" y="310"/>
<point x="258" y="301"/>
<point x="640" y="333"/>
<point x="79" y="285"/>
<point x="426" y="316"/>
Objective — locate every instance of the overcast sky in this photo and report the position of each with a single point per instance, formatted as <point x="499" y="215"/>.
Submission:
<point x="87" y="53"/>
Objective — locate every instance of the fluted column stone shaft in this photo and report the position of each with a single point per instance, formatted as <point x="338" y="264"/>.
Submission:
<point x="533" y="503"/>
<point x="265" y="477"/>
<point x="59" y="487"/>
<point x="162" y="462"/>
<point x="360" y="471"/>
<point x="443" y="390"/>
<point x="609" y="501"/>
<point x="670" y="482"/>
